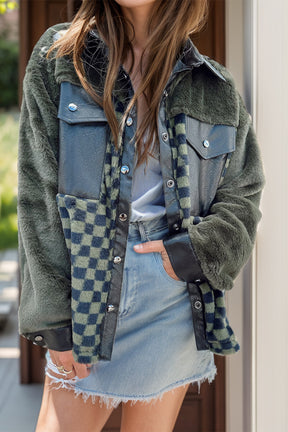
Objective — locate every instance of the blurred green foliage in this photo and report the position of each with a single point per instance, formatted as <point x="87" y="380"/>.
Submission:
<point x="9" y="72"/>
<point x="9" y="125"/>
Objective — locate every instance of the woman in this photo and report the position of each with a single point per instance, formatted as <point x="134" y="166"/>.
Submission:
<point x="139" y="187"/>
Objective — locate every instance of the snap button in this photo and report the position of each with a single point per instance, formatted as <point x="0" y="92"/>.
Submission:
<point x="165" y="93"/>
<point x="125" y="169"/>
<point x="129" y="121"/>
<point x="206" y="143"/>
<point x="123" y="217"/>
<point x="38" y="338"/>
<point x="198" y="304"/>
<point x="72" y="107"/>
<point x="117" y="260"/>
<point x="110" y="308"/>
<point x="176" y="227"/>
<point x="170" y="183"/>
<point x="165" y="136"/>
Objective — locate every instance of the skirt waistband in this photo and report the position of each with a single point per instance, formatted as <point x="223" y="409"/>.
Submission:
<point x="148" y="226"/>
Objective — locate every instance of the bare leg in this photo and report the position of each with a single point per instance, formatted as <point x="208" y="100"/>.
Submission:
<point x="159" y="416"/>
<point x="61" y="412"/>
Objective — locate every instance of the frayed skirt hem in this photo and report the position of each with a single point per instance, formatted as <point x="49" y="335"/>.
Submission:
<point x="113" y="401"/>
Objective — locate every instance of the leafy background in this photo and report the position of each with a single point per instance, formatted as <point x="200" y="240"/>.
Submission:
<point x="6" y="5"/>
<point x="9" y="120"/>
<point x="8" y="178"/>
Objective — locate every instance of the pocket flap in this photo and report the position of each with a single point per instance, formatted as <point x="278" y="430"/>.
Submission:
<point x="76" y="106"/>
<point x="210" y="140"/>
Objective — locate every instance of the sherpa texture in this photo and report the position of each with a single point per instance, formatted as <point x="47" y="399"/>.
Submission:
<point x="223" y="240"/>
<point x="44" y="259"/>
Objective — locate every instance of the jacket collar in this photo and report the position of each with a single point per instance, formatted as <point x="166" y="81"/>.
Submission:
<point x="192" y="58"/>
<point x="96" y="51"/>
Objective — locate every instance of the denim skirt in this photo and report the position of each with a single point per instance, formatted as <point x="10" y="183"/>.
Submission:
<point x="154" y="349"/>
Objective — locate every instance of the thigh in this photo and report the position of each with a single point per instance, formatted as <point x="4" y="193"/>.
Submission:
<point x="156" y="416"/>
<point x="61" y="411"/>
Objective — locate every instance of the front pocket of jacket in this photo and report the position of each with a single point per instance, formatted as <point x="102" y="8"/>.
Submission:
<point x="209" y="148"/>
<point x="83" y="139"/>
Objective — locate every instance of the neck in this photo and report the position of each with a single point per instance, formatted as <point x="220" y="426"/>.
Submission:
<point x="139" y="16"/>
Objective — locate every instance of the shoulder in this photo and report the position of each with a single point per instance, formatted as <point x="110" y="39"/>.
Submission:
<point x="39" y="54"/>
<point x="50" y="70"/>
<point x="208" y="94"/>
<point x="221" y="70"/>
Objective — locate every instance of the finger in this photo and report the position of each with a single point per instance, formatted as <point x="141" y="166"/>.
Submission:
<point x="167" y="266"/>
<point x="65" y="373"/>
<point x="150" y="246"/>
<point x="61" y="365"/>
<point x="81" y="370"/>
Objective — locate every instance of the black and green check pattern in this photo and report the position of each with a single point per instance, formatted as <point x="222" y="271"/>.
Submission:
<point x="89" y="228"/>
<point x="219" y="334"/>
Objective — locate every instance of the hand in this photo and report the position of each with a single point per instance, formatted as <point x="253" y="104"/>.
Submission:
<point x="157" y="246"/>
<point x="71" y="367"/>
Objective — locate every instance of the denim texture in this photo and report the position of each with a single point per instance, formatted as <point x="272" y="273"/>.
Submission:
<point x="154" y="349"/>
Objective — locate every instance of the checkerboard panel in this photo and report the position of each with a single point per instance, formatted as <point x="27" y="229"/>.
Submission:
<point x="219" y="334"/>
<point x="89" y="229"/>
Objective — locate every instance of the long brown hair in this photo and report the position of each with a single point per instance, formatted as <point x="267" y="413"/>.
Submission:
<point x="171" y="23"/>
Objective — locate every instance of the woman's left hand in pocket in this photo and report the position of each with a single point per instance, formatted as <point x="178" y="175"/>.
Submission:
<point x="157" y="246"/>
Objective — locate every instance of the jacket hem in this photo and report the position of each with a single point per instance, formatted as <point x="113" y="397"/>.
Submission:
<point x="58" y="339"/>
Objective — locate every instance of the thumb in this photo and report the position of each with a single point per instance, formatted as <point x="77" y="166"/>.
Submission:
<point x="150" y="246"/>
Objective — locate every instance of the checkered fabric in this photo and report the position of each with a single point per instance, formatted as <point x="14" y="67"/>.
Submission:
<point x="219" y="334"/>
<point x="89" y="229"/>
<point x="180" y="165"/>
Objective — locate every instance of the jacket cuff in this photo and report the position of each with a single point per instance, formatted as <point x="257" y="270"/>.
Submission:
<point x="59" y="339"/>
<point x="183" y="258"/>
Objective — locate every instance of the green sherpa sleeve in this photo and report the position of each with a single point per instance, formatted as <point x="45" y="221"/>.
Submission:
<point x="218" y="247"/>
<point x="44" y="259"/>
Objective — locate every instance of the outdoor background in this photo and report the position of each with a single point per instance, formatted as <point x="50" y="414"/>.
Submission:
<point x="257" y="378"/>
<point x="19" y="404"/>
<point x="9" y="117"/>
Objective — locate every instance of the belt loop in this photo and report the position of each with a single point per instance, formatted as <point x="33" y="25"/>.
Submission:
<point x="142" y="231"/>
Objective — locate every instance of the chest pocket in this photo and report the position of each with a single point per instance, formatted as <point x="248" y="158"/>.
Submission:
<point x="83" y="139"/>
<point x="209" y="150"/>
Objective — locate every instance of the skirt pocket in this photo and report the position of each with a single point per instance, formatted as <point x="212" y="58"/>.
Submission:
<point x="161" y="268"/>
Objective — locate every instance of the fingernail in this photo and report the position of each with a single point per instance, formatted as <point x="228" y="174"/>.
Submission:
<point x="138" y="246"/>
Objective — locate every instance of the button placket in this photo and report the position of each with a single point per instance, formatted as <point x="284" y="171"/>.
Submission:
<point x="172" y="207"/>
<point x="121" y="233"/>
